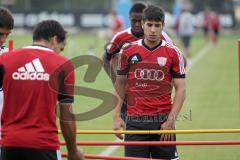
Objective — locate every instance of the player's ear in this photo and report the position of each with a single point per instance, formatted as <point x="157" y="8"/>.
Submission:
<point x="142" y="23"/>
<point x="163" y="24"/>
<point x="54" y="40"/>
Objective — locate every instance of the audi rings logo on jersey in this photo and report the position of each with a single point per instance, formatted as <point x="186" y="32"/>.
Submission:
<point x="149" y="74"/>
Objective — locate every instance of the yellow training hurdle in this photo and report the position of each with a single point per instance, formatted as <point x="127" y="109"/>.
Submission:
<point x="198" y="131"/>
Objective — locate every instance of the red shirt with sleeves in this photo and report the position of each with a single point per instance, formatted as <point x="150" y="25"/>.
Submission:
<point x="29" y="109"/>
<point x="149" y="76"/>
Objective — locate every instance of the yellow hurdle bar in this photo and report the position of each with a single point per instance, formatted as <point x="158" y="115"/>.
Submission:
<point x="198" y="131"/>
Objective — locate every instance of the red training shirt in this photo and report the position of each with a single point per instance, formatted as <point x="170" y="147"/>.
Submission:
<point x="149" y="76"/>
<point x="29" y="109"/>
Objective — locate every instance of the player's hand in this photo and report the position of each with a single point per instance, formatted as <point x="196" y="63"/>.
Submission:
<point x="118" y="124"/>
<point x="77" y="155"/>
<point x="168" y="125"/>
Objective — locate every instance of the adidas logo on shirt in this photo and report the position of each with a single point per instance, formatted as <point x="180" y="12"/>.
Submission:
<point x="135" y="58"/>
<point x="31" y="71"/>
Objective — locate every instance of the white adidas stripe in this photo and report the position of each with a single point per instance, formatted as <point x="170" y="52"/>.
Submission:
<point x="34" y="66"/>
<point x="38" y="65"/>
<point x="29" y="67"/>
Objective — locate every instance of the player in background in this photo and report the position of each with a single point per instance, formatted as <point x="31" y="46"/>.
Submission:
<point x="185" y="30"/>
<point x="148" y="70"/>
<point x="6" y="26"/>
<point x="117" y="22"/>
<point x="215" y="27"/>
<point x="33" y="80"/>
<point x="211" y="25"/>
<point x="134" y="33"/>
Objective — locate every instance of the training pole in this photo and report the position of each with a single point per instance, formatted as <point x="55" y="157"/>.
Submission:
<point x="10" y="45"/>
<point x="239" y="72"/>
<point x="90" y="156"/>
<point x="198" y="131"/>
<point x="157" y="143"/>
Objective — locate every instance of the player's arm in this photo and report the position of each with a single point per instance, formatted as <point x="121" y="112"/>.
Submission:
<point x="180" y="94"/>
<point x="178" y="74"/>
<point x="67" y="117"/>
<point x="68" y="127"/>
<point x="120" y="89"/>
<point x="107" y="66"/>
<point x="111" y="49"/>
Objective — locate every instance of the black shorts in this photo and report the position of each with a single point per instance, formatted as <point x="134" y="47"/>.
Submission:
<point x="18" y="153"/>
<point x="216" y="31"/>
<point x="158" y="152"/>
<point x="205" y="30"/>
<point x="186" y="41"/>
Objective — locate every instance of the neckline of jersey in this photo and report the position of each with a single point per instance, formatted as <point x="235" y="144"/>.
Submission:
<point x="151" y="49"/>
<point x="41" y="47"/>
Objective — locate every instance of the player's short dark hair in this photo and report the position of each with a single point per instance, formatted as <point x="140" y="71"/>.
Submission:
<point x="153" y="13"/>
<point x="48" y="29"/>
<point x="6" y="18"/>
<point x="137" y="8"/>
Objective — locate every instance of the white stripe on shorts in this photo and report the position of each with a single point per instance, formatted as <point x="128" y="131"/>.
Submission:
<point x="59" y="156"/>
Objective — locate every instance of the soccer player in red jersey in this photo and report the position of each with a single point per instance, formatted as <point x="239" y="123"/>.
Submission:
<point x="6" y="26"/>
<point x="211" y="25"/>
<point x="33" y="80"/>
<point x="148" y="69"/>
<point x="134" y="33"/>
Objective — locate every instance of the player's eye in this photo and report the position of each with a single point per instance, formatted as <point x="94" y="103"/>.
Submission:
<point x="149" y="25"/>
<point x="136" y="20"/>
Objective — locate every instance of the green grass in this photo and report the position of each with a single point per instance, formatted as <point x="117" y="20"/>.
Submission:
<point x="212" y="96"/>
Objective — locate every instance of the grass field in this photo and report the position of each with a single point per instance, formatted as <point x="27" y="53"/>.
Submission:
<point x="212" y="96"/>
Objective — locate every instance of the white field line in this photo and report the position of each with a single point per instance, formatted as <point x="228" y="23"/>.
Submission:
<point x="199" y="56"/>
<point x="111" y="149"/>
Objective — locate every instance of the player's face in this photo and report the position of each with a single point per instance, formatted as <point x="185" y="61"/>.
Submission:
<point x="152" y="30"/>
<point x="135" y="19"/>
<point x="4" y="32"/>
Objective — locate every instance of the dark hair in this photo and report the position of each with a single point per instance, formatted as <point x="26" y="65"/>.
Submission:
<point x="48" y="29"/>
<point x="153" y="13"/>
<point x="6" y="18"/>
<point x="137" y="8"/>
